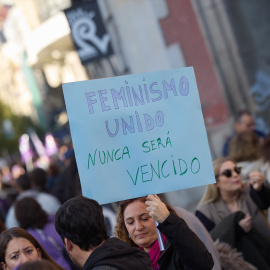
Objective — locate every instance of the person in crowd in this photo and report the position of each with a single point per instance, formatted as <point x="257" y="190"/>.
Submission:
<point x="8" y="195"/>
<point x="38" y="264"/>
<point x="243" y="122"/>
<point x="38" y="179"/>
<point x="80" y="223"/>
<point x="53" y="174"/>
<point x="136" y="226"/>
<point x="49" y="203"/>
<point x="68" y="183"/>
<point x="17" y="246"/>
<point x="244" y="150"/>
<point x="40" y="225"/>
<point x="232" y="212"/>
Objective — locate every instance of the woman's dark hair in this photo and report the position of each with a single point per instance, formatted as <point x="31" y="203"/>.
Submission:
<point x="38" y="264"/>
<point x="30" y="214"/>
<point x="16" y="232"/>
<point x="39" y="178"/>
<point x="2" y="226"/>
<point x="24" y="182"/>
<point x="120" y="229"/>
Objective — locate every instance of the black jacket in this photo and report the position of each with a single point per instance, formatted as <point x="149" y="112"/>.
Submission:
<point x="183" y="249"/>
<point x="253" y="245"/>
<point x="116" y="254"/>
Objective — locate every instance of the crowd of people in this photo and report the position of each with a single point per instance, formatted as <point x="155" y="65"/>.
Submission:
<point x="46" y="223"/>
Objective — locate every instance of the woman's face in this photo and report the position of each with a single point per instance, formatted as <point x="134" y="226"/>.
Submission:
<point x="140" y="226"/>
<point x="19" y="251"/>
<point x="229" y="180"/>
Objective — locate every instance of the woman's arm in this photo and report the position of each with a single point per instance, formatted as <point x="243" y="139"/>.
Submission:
<point x="191" y="251"/>
<point x="261" y="198"/>
<point x="259" y="192"/>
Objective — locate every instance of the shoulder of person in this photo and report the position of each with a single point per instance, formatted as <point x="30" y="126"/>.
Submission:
<point x="48" y="197"/>
<point x="28" y="193"/>
<point x="206" y="208"/>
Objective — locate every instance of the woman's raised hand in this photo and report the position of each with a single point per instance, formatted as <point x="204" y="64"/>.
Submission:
<point x="256" y="179"/>
<point x="157" y="209"/>
<point x="246" y="223"/>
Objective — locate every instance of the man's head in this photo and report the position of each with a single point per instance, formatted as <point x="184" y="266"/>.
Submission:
<point x="23" y="183"/>
<point x="39" y="179"/>
<point x="81" y="221"/>
<point x="244" y="122"/>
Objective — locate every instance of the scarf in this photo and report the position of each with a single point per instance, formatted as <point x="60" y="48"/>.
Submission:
<point x="154" y="253"/>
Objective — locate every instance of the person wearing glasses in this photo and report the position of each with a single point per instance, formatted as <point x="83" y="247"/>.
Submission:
<point x="231" y="210"/>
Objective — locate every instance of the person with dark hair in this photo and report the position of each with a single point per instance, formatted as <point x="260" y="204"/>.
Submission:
<point x="68" y="184"/>
<point x="39" y="224"/>
<point x="48" y="202"/>
<point x="136" y="226"/>
<point x="17" y="246"/>
<point x="53" y="174"/>
<point x="243" y="122"/>
<point x="80" y="223"/>
<point x="23" y="183"/>
<point x="39" y="179"/>
<point x="38" y="264"/>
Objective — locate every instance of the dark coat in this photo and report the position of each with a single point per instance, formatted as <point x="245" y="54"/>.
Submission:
<point x="115" y="254"/>
<point x="223" y="224"/>
<point x="250" y="201"/>
<point x="253" y="245"/>
<point x="183" y="248"/>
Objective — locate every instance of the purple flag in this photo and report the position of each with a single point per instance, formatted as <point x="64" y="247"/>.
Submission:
<point x="25" y="148"/>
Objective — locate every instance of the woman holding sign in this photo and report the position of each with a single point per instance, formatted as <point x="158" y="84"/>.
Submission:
<point x="136" y="225"/>
<point x="231" y="211"/>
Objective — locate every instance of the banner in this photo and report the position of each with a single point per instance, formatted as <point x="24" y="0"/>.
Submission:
<point x="25" y="149"/>
<point x="138" y="134"/>
<point x="88" y="32"/>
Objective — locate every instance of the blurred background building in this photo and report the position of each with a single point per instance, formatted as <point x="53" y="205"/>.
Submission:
<point x="226" y="41"/>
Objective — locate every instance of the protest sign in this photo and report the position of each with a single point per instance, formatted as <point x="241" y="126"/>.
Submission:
<point x="138" y="134"/>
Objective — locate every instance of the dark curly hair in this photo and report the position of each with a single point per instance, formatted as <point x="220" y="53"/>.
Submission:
<point x="30" y="214"/>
